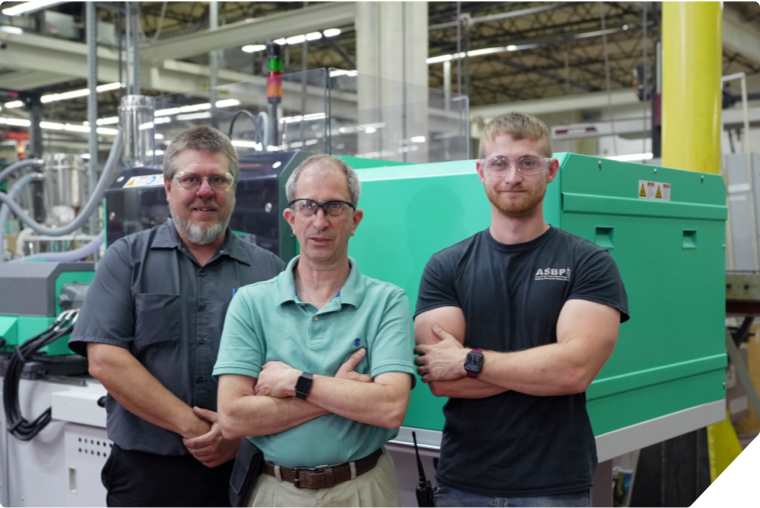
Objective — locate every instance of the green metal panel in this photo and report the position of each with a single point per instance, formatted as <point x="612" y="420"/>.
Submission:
<point x="359" y="163"/>
<point x="9" y="329"/>
<point x="671" y="257"/>
<point x="670" y="356"/>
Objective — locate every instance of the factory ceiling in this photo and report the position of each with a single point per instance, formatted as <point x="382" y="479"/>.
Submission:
<point x="520" y="51"/>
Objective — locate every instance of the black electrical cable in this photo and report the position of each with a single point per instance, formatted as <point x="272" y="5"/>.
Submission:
<point x="16" y="424"/>
<point x="241" y="112"/>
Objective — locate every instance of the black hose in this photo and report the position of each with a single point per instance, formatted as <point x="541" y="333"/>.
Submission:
<point x="21" y="428"/>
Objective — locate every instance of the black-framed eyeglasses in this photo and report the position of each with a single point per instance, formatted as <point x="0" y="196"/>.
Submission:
<point x="309" y="207"/>
<point x="527" y="164"/>
<point x="192" y="182"/>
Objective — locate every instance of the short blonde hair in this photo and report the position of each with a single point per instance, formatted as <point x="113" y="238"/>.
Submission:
<point x="518" y="126"/>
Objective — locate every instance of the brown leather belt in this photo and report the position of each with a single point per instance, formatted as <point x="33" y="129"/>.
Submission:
<point x="323" y="476"/>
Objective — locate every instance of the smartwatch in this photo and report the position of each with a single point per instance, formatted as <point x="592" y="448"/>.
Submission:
<point x="303" y="385"/>
<point x="473" y="364"/>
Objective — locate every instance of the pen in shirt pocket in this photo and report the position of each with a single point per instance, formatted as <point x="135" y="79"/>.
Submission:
<point x="234" y="290"/>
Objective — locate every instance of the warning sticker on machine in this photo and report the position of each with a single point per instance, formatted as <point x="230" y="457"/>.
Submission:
<point x="145" y="181"/>
<point x="654" y="190"/>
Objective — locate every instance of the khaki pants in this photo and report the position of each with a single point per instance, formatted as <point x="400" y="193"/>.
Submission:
<point x="376" y="487"/>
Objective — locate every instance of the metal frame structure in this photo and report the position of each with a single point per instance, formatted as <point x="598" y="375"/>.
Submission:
<point x="559" y="48"/>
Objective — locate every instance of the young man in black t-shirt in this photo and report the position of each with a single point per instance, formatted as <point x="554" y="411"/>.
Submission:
<point x="513" y="324"/>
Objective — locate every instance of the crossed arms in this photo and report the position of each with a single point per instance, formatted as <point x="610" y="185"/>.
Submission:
<point x="586" y="335"/>
<point x="267" y="404"/>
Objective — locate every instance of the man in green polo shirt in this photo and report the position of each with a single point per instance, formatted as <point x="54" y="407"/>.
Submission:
<point x="315" y="366"/>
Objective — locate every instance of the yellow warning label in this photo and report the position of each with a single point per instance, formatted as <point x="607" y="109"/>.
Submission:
<point x="659" y="194"/>
<point x="643" y="192"/>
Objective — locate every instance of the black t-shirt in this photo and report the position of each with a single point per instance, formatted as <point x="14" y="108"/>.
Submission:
<point x="514" y="444"/>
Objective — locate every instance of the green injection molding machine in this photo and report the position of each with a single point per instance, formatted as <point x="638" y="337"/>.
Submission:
<point x="665" y="229"/>
<point x="30" y="300"/>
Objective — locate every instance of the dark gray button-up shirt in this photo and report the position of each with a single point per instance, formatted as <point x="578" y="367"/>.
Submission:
<point x="151" y="296"/>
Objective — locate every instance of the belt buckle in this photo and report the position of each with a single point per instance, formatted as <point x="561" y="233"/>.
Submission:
<point x="309" y="471"/>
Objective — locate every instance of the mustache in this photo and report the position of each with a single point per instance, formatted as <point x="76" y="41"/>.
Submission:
<point x="209" y="204"/>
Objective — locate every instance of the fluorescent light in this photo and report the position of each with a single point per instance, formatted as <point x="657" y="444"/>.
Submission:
<point x="296" y="39"/>
<point x="484" y="51"/>
<point x="76" y="128"/>
<point x="108" y="87"/>
<point x="85" y="156"/>
<point x="65" y="95"/>
<point x="51" y="126"/>
<point x="313" y="36"/>
<point x="14" y="104"/>
<point x="310" y="142"/>
<point x="20" y="9"/>
<point x="78" y="93"/>
<point x="340" y="72"/>
<point x="163" y="119"/>
<point x="226" y="103"/>
<point x="246" y="144"/>
<point x="281" y="41"/>
<point x="159" y="136"/>
<point x="474" y="52"/>
<point x="108" y="120"/>
<point x="370" y="130"/>
<point x="631" y="157"/>
<point x="438" y="59"/>
<point x="107" y="130"/>
<point x="253" y="48"/>
<point x="418" y="139"/>
<point x="18" y="122"/>
<point x="193" y="116"/>
<point x="145" y="126"/>
<point x="331" y="32"/>
<point x="299" y="118"/>
<point x="11" y="29"/>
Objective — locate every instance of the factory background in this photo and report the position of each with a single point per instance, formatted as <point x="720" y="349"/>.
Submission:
<point x="653" y="109"/>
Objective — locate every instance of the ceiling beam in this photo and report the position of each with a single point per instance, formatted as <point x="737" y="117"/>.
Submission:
<point x="285" y="24"/>
<point x="739" y="36"/>
<point x="26" y="79"/>
<point x="572" y="102"/>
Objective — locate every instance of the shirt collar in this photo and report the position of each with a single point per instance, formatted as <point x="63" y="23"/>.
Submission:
<point x="352" y="292"/>
<point x="167" y="237"/>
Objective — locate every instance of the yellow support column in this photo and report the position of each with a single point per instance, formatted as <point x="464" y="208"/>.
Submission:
<point x="692" y="52"/>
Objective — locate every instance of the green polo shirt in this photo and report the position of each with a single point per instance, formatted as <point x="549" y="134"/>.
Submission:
<point x="267" y="321"/>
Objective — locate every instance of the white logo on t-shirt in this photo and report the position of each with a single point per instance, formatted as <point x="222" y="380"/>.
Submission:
<point x="553" y="274"/>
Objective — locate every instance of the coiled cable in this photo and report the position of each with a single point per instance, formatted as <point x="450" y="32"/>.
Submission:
<point x="20" y="427"/>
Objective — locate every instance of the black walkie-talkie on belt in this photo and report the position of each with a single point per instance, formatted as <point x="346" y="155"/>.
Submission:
<point x="424" y="489"/>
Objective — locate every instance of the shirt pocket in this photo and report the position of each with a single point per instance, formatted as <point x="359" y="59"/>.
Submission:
<point x="158" y="320"/>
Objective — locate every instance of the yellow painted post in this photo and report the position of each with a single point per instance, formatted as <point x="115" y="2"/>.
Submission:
<point x="691" y="89"/>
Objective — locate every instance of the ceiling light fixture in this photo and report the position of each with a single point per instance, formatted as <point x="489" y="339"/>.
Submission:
<point x="11" y="29"/>
<point x="253" y="48"/>
<point x="18" y="10"/>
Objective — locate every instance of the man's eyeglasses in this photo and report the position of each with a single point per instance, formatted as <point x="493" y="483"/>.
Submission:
<point x="527" y="164"/>
<point x="191" y="182"/>
<point x="309" y="207"/>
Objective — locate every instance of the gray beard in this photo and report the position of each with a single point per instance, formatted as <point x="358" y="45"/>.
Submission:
<point x="198" y="235"/>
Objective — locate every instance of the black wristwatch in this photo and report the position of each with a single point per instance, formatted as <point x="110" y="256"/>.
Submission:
<point x="303" y="385"/>
<point x="473" y="364"/>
